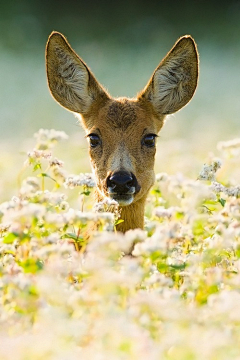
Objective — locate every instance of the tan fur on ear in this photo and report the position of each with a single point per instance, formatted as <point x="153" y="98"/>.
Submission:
<point x="70" y="81"/>
<point x="175" y="79"/>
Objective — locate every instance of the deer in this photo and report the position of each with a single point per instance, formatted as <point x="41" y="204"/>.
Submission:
<point x="122" y="132"/>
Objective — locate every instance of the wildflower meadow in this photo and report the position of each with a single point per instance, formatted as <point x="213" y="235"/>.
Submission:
<point x="71" y="287"/>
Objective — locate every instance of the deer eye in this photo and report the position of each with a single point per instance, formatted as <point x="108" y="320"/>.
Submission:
<point x="94" y="140"/>
<point x="149" y="140"/>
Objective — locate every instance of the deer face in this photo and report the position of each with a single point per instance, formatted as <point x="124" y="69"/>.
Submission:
<point x="122" y="132"/>
<point x="122" y="149"/>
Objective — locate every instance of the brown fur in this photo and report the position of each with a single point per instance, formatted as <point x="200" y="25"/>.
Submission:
<point x="122" y="123"/>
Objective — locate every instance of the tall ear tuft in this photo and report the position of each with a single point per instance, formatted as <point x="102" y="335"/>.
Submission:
<point x="175" y="79"/>
<point x="70" y="81"/>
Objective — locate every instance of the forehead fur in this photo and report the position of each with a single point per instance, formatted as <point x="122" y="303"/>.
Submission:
<point x="121" y="113"/>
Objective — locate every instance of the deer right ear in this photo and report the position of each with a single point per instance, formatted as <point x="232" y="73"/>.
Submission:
<point x="70" y="81"/>
<point x="175" y="79"/>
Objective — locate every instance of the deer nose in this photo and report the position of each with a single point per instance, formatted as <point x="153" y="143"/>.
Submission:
<point x="121" y="182"/>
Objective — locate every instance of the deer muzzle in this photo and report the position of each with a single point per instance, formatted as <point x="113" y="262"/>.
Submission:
<point x="122" y="186"/>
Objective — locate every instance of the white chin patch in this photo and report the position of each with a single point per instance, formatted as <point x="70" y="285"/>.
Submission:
<point x="123" y="200"/>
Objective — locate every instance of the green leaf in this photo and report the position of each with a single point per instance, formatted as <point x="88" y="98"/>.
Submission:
<point x="119" y="221"/>
<point x="204" y="292"/>
<point x="222" y="201"/>
<point x="9" y="238"/>
<point x="33" y="290"/>
<point x="199" y="227"/>
<point x="156" y="191"/>
<point x="179" y="215"/>
<point x="31" y="265"/>
<point x="162" y="267"/>
<point x="37" y="166"/>
<point x="237" y="252"/>
<point x="157" y="256"/>
<point x="46" y="175"/>
<point x="178" y="267"/>
<point x="72" y="236"/>
<point x="86" y="192"/>
<point x="125" y="347"/>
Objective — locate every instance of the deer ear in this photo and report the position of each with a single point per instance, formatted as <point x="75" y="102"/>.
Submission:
<point x="70" y="81"/>
<point x="175" y="79"/>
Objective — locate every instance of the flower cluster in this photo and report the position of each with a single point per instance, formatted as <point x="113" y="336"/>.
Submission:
<point x="106" y="205"/>
<point x="38" y="154"/>
<point x="208" y="171"/>
<point x="219" y="188"/>
<point x="80" y="180"/>
<point x="47" y="138"/>
<point x="73" y="288"/>
<point x="232" y="147"/>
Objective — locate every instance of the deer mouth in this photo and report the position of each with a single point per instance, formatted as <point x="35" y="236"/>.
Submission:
<point x="122" y="186"/>
<point x="122" y="199"/>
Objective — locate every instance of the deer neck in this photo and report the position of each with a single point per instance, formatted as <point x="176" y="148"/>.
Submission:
<point x="132" y="215"/>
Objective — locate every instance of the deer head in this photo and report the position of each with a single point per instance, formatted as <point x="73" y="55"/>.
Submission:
<point x="122" y="132"/>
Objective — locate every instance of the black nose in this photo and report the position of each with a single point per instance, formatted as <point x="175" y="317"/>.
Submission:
<point x="121" y="182"/>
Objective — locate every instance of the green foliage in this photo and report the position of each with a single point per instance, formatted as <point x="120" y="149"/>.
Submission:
<point x="69" y="287"/>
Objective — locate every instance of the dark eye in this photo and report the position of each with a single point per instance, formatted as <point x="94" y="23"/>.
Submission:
<point x="149" y="140"/>
<point x="94" y="140"/>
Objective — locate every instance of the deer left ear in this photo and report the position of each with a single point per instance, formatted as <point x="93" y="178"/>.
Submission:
<point x="70" y="81"/>
<point x="175" y="79"/>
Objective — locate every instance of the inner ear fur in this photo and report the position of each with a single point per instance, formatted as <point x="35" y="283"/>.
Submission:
<point x="70" y="81"/>
<point x="174" y="81"/>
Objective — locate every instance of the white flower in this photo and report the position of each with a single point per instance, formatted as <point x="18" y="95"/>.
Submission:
<point x="80" y="180"/>
<point x="208" y="171"/>
<point x="235" y="191"/>
<point x="84" y="217"/>
<point x="231" y="146"/>
<point x="161" y="212"/>
<point x="106" y="243"/>
<point x="39" y="154"/>
<point x="56" y="162"/>
<point x="27" y="211"/>
<point x="53" y="238"/>
<point x="4" y="228"/>
<point x="58" y="172"/>
<point x="106" y="205"/>
<point x="61" y="219"/>
<point x="29" y="186"/>
<point x="162" y="177"/>
<point x="136" y="236"/>
<point x="158" y="278"/>
<point x="217" y="188"/>
<point x="44" y="135"/>
<point x="53" y="198"/>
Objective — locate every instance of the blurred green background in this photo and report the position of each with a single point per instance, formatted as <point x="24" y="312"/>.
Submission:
<point x="122" y="42"/>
